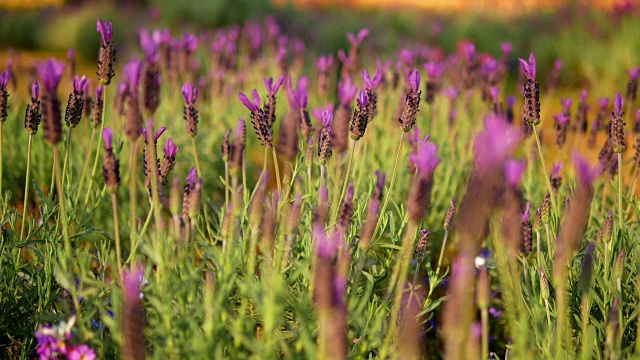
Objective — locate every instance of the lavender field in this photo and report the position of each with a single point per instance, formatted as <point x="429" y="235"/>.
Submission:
<point x="240" y="192"/>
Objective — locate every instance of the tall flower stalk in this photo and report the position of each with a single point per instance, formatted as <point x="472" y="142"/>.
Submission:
<point x="4" y="105"/>
<point x="96" y="121"/>
<point x="31" y="123"/>
<point x="616" y="135"/>
<point x="531" y="116"/>
<point x="111" y="173"/>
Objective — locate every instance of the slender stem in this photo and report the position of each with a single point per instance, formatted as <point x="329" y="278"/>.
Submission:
<point x="195" y="156"/>
<point x="226" y="183"/>
<point x="277" y="170"/>
<point x="538" y="247"/>
<point x="1" y="157"/>
<point x="201" y="175"/>
<point x="66" y="156"/>
<point x="546" y="306"/>
<point x="393" y="179"/>
<point x="485" y="333"/>
<point x="26" y="189"/>
<point x="620" y="216"/>
<point x="544" y="169"/>
<point x="85" y="167"/>
<point x="53" y="179"/>
<point x="62" y="209"/>
<point x="116" y="230"/>
<point x="95" y="160"/>
<point x="133" y="194"/>
<point x="346" y="175"/>
<point x="444" y="246"/>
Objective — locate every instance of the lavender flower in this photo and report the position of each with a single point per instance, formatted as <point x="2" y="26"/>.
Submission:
<point x="4" y="95"/>
<point x="370" y="85"/>
<point x="323" y="66"/>
<point x="412" y="102"/>
<point x="426" y="161"/>
<point x="134" y="346"/>
<point x="616" y="125"/>
<point x="50" y="74"/>
<point x="97" y="108"/>
<point x="107" y="55"/>
<point x="556" y="178"/>
<point x="133" y="120"/>
<point x="494" y="144"/>
<point x="434" y="81"/>
<point x="526" y="231"/>
<point x="150" y="73"/>
<point x="562" y="124"/>
<point x="111" y="167"/>
<point x="32" y="116"/>
<point x="324" y="140"/>
<point x="258" y="118"/>
<point x="513" y="172"/>
<point x="632" y="85"/>
<point x="360" y="116"/>
<point x="75" y="104"/>
<point x="270" y="104"/>
<point x="190" y="114"/>
<point x="554" y="76"/>
<point x="169" y="161"/>
<point x="531" y="92"/>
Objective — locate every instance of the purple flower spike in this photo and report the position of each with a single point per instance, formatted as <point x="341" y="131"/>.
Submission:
<point x="131" y="280"/>
<point x="414" y="80"/>
<point x="106" y="31"/>
<point x="193" y="176"/>
<point x="158" y="133"/>
<point x="190" y="42"/>
<point x="35" y="90"/>
<point x="408" y="57"/>
<point x="434" y="69"/>
<point x="246" y="102"/>
<point x="272" y="88"/>
<point x="107" y="135"/>
<point x="513" y="172"/>
<point x="363" y="99"/>
<point x="99" y="91"/>
<point x="617" y="104"/>
<point x="495" y="143"/>
<point x="585" y="173"/>
<point x="356" y="40"/>
<point x="50" y="74"/>
<point x="526" y="215"/>
<point x="556" y="168"/>
<point x="426" y="159"/>
<point x="380" y="179"/>
<point x="529" y="68"/>
<point x="327" y="117"/>
<point x="79" y="84"/>
<point x="561" y="119"/>
<point x="189" y="93"/>
<point x="149" y="44"/>
<point x="170" y="149"/>
<point x="633" y="74"/>
<point x="323" y="64"/>
<point x="494" y="90"/>
<point x="506" y="48"/>
<point x="566" y="103"/>
<point x="132" y="73"/>
<point x="4" y="79"/>
<point x="346" y="91"/>
<point x="604" y="103"/>
<point x="469" y="50"/>
<point x="371" y="84"/>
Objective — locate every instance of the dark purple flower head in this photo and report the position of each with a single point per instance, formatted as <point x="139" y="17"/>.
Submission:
<point x="4" y="79"/>
<point x="633" y="74"/>
<point x="526" y="214"/>
<point x="426" y="159"/>
<point x="99" y="91"/>
<point x="561" y="118"/>
<point x="604" y="103"/>
<point x="252" y="106"/>
<point x="566" y="104"/>
<point x="346" y="91"/>
<point x="50" y="74"/>
<point x="434" y="69"/>
<point x="469" y="50"/>
<point x="132" y="74"/>
<point x="489" y="67"/>
<point x="107" y="135"/>
<point x="170" y="149"/>
<point x="192" y="176"/>
<point x="617" y="104"/>
<point x="556" y="168"/>
<point x="272" y="88"/>
<point x="323" y="63"/>
<point x="529" y="68"/>
<point x="356" y="40"/>
<point x="494" y="144"/>
<point x="511" y="100"/>
<point x="161" y="36"/>
<point x="189" y="93"/>
<point x="106" y="31"/>
<point x="414" y="80"/>
<point x="513" y="172"/>
<point x="369" y="83"/>
<point x="493" y="91"/>
<point x="506" y="48"/>
<point x="584" y="172"/>
<point x="79" y="84"/>
<point x="35" y="90"/>
<point x="363" y="99"/>
<point x="451" y="93"/>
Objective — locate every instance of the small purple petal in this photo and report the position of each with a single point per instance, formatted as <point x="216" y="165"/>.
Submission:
<point x="426" y="158"/>
<point x="414" y="80"/>
<point x="160" y="132"/>
<point x="561" y="119"/>
<point x="617" y="104"/>
<point x="633" y="74"/>
<point x="556" y="168"/>
<point x="604" y="102"/>
<point x="99" y="91"/>
<point x="35" y="90"/>
<point x="246" y="102"/>
<point x="170" y="149"/>
<point x="513" y="172"/>
<point x="107" y="135"/>
<point x="566" y="103"/>
<point x="4" y="79"/>
<point x="106" y="30"/>
<point x="192" y="177"/>
<point x="363" y="99"/>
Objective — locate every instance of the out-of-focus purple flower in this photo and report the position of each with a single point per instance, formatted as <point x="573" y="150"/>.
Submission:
<point x="50" y="74"/>
<point x="526" y="214"/>
<point x="318" y="113"/>
<point x="272" y="88"/>
<point x="529" y="68"/>
<point x="556" y="168"/>
<point x="324" y="63"/>
<point x="106" y="30"/>
<point x="79" y="84"/>
<point x="327" y="117"/>
<point x="356" y="40"/>
<point x="99" y="91"/>
<point x="415" y="138"/>
<point x="414" y="80"/>
<point x="363" y="99"/>
<point x="452" y="93"/>
<point x="132" y="279"/>
<point x="604" y="103"/>
<point x="489" y="67"/>
<point x="617" y="105"/>
<point x="252" y="106"/>
<point x="426" y="158"/>
<point x="584" y="172"/>
<point x="189" y="93"/>
<point x="190" y="42"/>
<point x="633" y="73"/>
<point x="506" y="49"/>
<point x="369" y="83"/>
<point x="408" y="57"/>
<point x="81" y="352"/>
<point x="511" y="100"/>
<point x="557" y="65"/>
<point x="566" y="104"/>
<point x="170" y="148"/>
<point x="496" y="313"/>
<point x="513" y="172"/>
<point x="469" y="51"/>
<point x="4" y="79"/>
<point x="35" y="90"/>
<point x="132" y="74"/>
<point x="107" y="134"/>
<point x="493" y="91"/>
<point x="346" y="91"/>
<point x="149" y="44"/>
<point x="494" y="144"/>
<point x="434" y="69"/>
<point x="584" y="95"/>
<point x="384" y="67"/>
<point x="561" y="118"/>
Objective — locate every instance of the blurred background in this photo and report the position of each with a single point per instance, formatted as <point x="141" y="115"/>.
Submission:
<point x="594" y="38"/>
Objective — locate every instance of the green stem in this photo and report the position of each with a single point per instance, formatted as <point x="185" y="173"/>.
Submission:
<point x="62" y="209"/>
<point x="277" y="170"/>
<point x="26" y="189"/>
<point x="1" y="157"/>
<point x="620" y="216"/>
<point x="95" y="160"/>
<point x="393" y="179"/>
<point x="444" y="246"/>
<point x="85" y="167"/>
<point x="201" y="175"/>
<point x="485" y="333"/>
<point x="346" y="175"/>
<point x="116" y="230"/>
<point x="544" y="170"/>
<point x="133" y="194"/>
<point x="195" y="156"/>
<point x="66" y="156"/>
